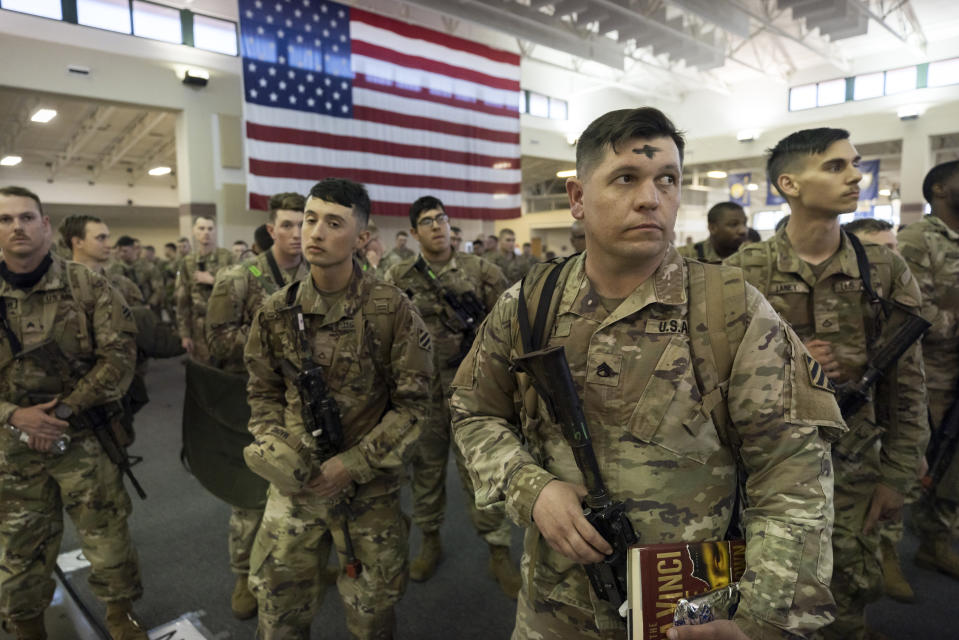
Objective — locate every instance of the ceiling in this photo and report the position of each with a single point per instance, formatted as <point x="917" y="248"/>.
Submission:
<point x="86" y="141"/>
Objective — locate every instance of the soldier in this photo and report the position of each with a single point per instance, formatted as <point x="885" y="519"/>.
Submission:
<point x="811" y="274"/>
<point x="624" y="310"/>
<point x="931" y="249"/>
<point x="456" y="238"/>
<point x="66" y="348"/>
<point x="364" y="342"/>
<point x="168" y="268"/>
<point x="727" y="230"/>
<point x="514" y="267"/>
<point x="577" y="236"/>
<point x="142" y="273"/>
<point x="875" y="231"/>
<point x="87" y="239"/>
<point x="427" y="279"/>
<point x="238" y="293"/>
<point x="398" y="253"/>
<point x="194" y="284"/>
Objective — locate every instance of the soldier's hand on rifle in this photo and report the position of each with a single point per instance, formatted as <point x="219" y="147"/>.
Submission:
<point x="886" y="504"/>
<point x="821" y="350"/>
<point x="187" y="345"/>
<point x="38" y="423"/>
<point x="558" y="512"/>
<point x="332" y="480"/>
<point x="716" y="630"/>
<point x="203" y="277"/>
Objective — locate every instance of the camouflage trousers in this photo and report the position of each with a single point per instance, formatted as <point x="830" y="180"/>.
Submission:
<point x="556" y="621"/>
<point x="857" y="569"/>
<point x="201" y="348"/>
<point x="292" y="545"/>
<point x="937" y="511"/>
<point x="35" y="488"/>
<point x="243" y="526"/>
<point x="428" y="479"/>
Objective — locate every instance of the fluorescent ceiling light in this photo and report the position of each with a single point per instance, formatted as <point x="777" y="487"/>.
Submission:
<point x="10" y="161"/>
<point x="44" y="115"/>
<point x="569" y="173"/>
<point x="752" y="186"/>
<point x="159" y="171"/>
<point x="885" y="192"/>
<point x="716" y="174"/>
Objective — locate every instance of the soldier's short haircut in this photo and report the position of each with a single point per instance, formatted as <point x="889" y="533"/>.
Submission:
<point x="21" y="192"/>
<point x="345" y="193"/>
<point x="236" y="242"/>
<point x="170" y="245"/>
<point x="75" y="226"/>
<point x="938" y="175"/>
<point x="426" y="203"/>
<point x="149" y="247"/>
<point x="715" y="213"/>
<point x="867" y="225"/>
<point x="288" y="201"/>
<point x="401" y="234"/>
<point x="183" y="239"/>
<point x="126" y="241"/>
<point x="203" y="217"/>
<point x="799" y="145"/>
<point x="619" y="126"/>
<point x="456" y="229"/>
<point x="262" y="238"/>
<point x="505" y="232"/>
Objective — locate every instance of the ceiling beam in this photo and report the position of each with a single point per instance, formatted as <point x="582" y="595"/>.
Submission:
<point x="140" y="126"/>
<point x="164" y="151"/>
<point x="84" y="133"/>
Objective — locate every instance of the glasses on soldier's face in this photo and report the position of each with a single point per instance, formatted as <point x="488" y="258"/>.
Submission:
<point x="440" y="219"/>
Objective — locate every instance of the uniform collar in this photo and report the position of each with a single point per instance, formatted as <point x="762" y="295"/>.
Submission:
<point x="344" y="307"/>
<point x="788" y="261"/>
<point x="941" y="226"/>
<point x="667" y="286"/>
<point x="51" y="280"/>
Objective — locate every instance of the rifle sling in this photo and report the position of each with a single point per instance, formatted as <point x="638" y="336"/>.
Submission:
<point x="535" y="340"/>
<point x="431" y="278"/>
<point x="274" y="268"/>
<point x="863" y="263"/>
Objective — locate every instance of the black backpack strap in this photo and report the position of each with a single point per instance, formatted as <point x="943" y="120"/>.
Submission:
<point x="534" y="340"/>
<point x="863" y="262"/>
<point x="274" y="268"/>
<point x="700" y="252"/>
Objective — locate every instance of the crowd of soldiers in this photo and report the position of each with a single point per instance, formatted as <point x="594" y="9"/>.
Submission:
<point x="722" y="384"/>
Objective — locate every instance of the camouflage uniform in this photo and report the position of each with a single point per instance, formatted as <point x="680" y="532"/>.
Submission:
<point x="462" y="273"/>
<point x="395" y="256"/>
<point x="885" y="440"/>
<point x="168" y="269"/>
<point x="146" y="277"/>
<point x="931" y="249"/>
<point x="514" y="267"/>
<point x="95" y="359"/>
<point x="376" y="358"/>
<point x="191" y="298"/>
<point x="238" y="293"/>
<point x="657" y="445"/>
<point x="709" y="253"/>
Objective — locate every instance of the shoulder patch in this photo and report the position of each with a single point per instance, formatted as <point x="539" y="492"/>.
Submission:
<point x="423" y="338"/>
<point x="817" y="376"/>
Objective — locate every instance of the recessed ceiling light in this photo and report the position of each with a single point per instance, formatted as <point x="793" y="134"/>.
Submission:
<point x="43" y="115"/>
<point x="716" y="174"/>
<point x="885" y="192"/>
<point x="159" y="171"/>
<point x="10" y="161"/>
<point x="569" y="173"/>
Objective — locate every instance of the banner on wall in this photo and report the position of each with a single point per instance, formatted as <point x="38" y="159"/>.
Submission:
<point x="772" y="196"/>
<point x="869" y="185"/>
<point x="739" y="188"/>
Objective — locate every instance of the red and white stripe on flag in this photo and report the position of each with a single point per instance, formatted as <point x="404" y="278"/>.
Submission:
<point x="432" y="114"/>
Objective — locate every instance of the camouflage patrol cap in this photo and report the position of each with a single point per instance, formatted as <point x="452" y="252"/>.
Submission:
<point x="280" y="459"/>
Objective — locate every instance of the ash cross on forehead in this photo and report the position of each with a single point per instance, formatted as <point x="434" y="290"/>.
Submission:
<point x="648" y="150"/>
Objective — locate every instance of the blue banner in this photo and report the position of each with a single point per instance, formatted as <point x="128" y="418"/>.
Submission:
<point x="738" y="188"/>
<point x="772" y="196"/>
<point x="869" y="186"/>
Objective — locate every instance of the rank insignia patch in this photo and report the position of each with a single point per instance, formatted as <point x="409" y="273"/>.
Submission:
<point x="817" y="376"/>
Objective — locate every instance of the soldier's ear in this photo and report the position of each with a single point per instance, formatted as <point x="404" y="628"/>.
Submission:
<point x="788" y="185"/>
<point x="574" y="189"/>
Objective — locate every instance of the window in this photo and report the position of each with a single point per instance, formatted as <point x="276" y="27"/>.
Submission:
<point x="214" y="35"/>
<point x="940" y="74"/>
<point x="112" y="15"/>
<point x="803" y="97"/>
<point x="767" y="220"/>
<point x="557" y="109"/>
<point x="522" y="102"/>
<point x="831" y="92"/>
<point x="868" y="86"/>
<point x="43" y="8"/>
<point x="899" y="80"/>
<point x="538" y="105"/>
<point x="157" y="22"/>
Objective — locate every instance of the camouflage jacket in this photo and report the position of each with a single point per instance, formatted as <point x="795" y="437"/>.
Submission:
<point x="514" y="267"/>
<point x="462" y="273"/>
<point x="835" y="308"/>
<point x="145" y="276"/>
<point x="77" y="338"/>
<point x="709" y="253"/>
<point x="656" y="442"/>
<point x="374" y="351"/>
<point x="237" y="295"/>
<point x="125" y="287"/>
<point x="191" y="297"/>
<point x="931" y="249"/>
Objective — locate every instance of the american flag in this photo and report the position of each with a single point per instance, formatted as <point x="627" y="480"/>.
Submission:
<point x="335" y="91"/>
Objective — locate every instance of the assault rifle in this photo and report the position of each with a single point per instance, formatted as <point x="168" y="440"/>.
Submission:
<point x="942" y="445"/>
<point x="467" y="311"/>
<point x="894" y="342"/>
<point x="549" y="372"/>
<point x="109" y="433"/>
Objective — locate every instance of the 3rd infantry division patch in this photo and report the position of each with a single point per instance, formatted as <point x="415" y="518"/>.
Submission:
<point x="423" y="338"/>
<point x="817" y="376"/>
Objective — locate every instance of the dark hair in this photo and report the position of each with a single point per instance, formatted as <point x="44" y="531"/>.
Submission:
<point x="125" y="241"/>
<point x="170" y="245"/>
<point x="505" y="232"/>
<point x="455" y="229"/>
<point x="808" y="142"/>
<point x="717" y="210"/>
<point x="149" y="247"/>
<point x="204" y="217"/>
<point x="867" y="225"/>
<point x="243" y="242"/>
<point x="21" y="192"/>
<point x="287" y="201"/>
<point x="937" y="175"/>
<point x="75" y="227"/>
<point x="618" y="126"/>
<point x="183" y="239"/>
<point x="262" y="238"/>
<point x="345" y="193"/>
<point x="402" y="233"/>
<point x="426" y="203"/>
<point x="782" y="222"/>
<point x="752" y="235"/>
